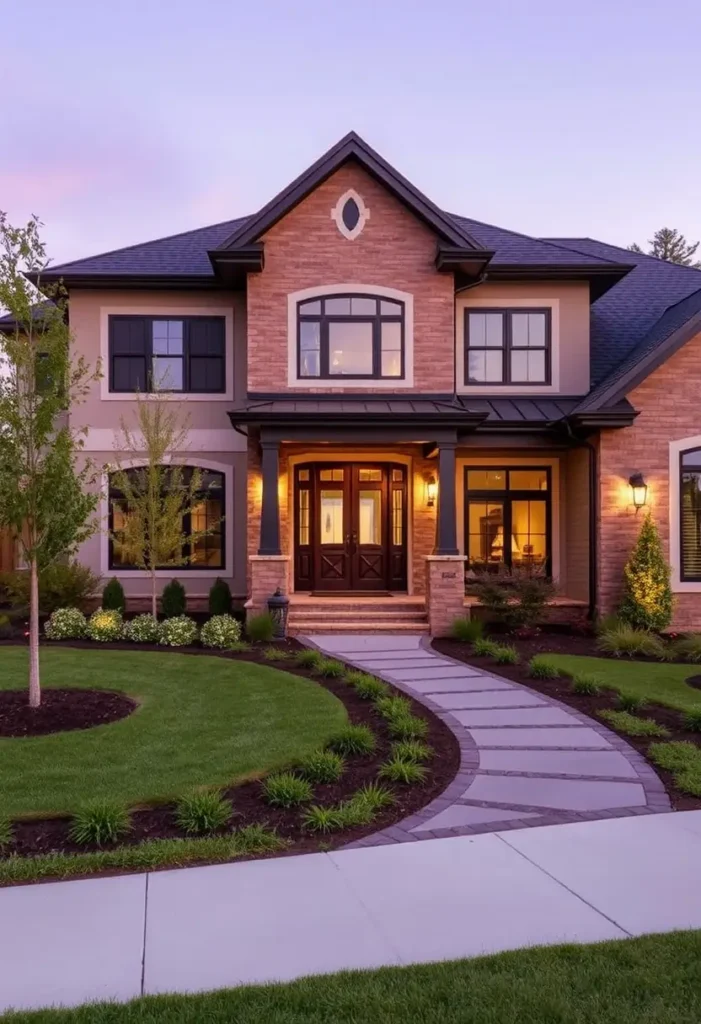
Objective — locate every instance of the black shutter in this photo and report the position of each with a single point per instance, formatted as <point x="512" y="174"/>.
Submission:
<point x="206" y="343"/>
<point x="128" y="353"/>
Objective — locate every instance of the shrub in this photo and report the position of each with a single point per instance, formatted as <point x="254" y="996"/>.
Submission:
<point x="322" y="766"/>
<point x="516" y="596"/>
<point x="606" y="622"/>
<point x="98" y="822"/>
<point x="484" y="648"/>
<point x="240" y="646"/>
<point x="687" y="648"/>
<point x="323" y="819"/>
<point x="66" y="624"/>
<point x="467" y="630"/>
<point x="199" y="812"/>
<point x="375" y="795"/>
<point x="692" y="719"/>
<point x="398" y="770"/>
<point x="142" y="629"/>
<point x="630" y="702"/>
<point x="625" y="722"/>
<point x="368" y="687"/>
<point x="260" y="628"/>
<point x="61" y="585"/>
<point x="586" y="684"/>
<point x="105" y="626"/>
<point x="274" y="654"/>
<point x="505" y="654"/>
<point x="393" y="707"/>
<point x="220" y="598"/>
<point x="257" y="838"/>
<point x="113" y="596"/>
<point x="624" y="639"/>
<point x="542" y="667"/>
<point x="220" y="631"/>
<point x="308" y="658"/>
<point x="647" y="595"/>
<point x="329" y="668"/>
<point x="684" y="760"/>
<point x="411" y="750"/>
<point x="407" y="727"/>
<point x="173" y="600"/>
<point x="286" y="790"/>
<point x="179" y="631"/>
<point x="356" y="811"/>
<point x="6" y="833"/>
<point x="354" y="739"/>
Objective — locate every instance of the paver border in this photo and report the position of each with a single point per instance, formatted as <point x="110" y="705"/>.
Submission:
<point x="457" y="792"/>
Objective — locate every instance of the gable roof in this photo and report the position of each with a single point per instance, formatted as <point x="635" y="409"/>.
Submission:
<point x="511" y="247"/>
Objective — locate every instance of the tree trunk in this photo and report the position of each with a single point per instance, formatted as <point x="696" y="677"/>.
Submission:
<point x="34" y="686"/>
<point x="154" y="598"/>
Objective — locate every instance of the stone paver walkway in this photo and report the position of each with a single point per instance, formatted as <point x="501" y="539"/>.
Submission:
<point x="525" y="759"/>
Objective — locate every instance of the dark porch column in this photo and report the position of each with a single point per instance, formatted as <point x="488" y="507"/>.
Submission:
<point x="270" y="505"/>
<point x="446" y="532"/>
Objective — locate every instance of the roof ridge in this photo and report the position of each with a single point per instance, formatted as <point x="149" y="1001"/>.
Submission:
<point x="621" y="248"/>
<point x="151" y="241"/>
<point x="532" y="238"/>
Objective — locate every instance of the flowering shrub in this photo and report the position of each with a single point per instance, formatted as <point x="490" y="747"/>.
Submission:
<point x="66" y="624"/>
<point x="143" y="629"/>
<point x="177" y="632"/>
<point x="647" y="600"/>
<point x="221" y="631"/>
<point x="105" y="624"/>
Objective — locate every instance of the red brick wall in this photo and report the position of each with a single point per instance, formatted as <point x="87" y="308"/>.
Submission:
<point x="670" y="409"/>
<point x="395" y="250"/>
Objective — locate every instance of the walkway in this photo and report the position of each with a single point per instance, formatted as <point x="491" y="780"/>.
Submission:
<point x="274" y="920"/>
<point x="525" y="759"/>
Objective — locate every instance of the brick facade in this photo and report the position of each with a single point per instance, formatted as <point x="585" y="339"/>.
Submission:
<point x="395" y="250"/>
<point x="445" y="592"/>
<point x="668" y="402"/>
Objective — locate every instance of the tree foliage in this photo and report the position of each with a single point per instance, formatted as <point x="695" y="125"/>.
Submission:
<point x="45" y="499"/>
<point x="647" y="599"/>
<point x="671" y="245"/>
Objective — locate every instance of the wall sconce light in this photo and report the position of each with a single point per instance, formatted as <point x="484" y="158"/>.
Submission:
<point x="639" y="489"/>
<point x="431" y="491"/>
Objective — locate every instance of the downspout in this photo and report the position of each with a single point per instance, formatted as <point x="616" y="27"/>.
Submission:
<point x="593" y="513"/>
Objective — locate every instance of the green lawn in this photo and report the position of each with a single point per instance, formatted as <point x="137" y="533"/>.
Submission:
<point x="202" y="720"/>
<point x="654" y="980"/>
<point x="657" y="683"/>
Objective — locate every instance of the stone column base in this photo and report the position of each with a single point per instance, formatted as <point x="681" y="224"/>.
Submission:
<point x="445" y="591"/>
<point x="268" y="572"/>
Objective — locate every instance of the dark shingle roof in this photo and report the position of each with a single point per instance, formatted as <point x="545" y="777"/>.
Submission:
<point x="512" y="248"/>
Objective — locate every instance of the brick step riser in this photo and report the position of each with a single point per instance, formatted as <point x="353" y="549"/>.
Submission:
<point x="360" y="609"/>
<point x="359" y="616"/>
<point x="409" y="628"/>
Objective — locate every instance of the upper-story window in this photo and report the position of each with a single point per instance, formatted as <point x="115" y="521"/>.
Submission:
<point x="690" y="514"/>
<point x="161" y="353"/>
<point x="359" y="336"/>
<point x="508" y="346"/>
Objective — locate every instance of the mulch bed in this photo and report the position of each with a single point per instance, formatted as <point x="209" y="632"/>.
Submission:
<point x="51" y="835"/>
<point x="61" y="711"/>
<point x="560" y="689"/>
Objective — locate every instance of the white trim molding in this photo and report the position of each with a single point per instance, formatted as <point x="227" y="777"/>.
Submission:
<point x="315" y="383"/>
<point x="150" y="309"/>
<point x="227" y="571"/>
<point x="675" y="551"/>
<point x="106" y="439"/>
<point x="337" y="214"/>
<point x="523" y="390"/>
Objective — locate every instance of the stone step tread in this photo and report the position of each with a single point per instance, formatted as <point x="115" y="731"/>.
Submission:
<point x="329" y="626"/>
<point x="407" y="616"/>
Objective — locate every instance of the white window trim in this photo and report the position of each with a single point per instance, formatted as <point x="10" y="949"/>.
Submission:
<point x="174" y="312"/>
<point x="525" y="390"/>
<point x="227" y="571"/>
<point x="318" y="383"/>
<point x="337" y="214"/>
<point x="675" y="546"/>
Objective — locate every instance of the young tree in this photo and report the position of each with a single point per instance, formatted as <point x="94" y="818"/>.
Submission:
<point x="157" y="495"/>
<point x="44" y="498"/>
<point x="647" y="598"/>
<point x="670" y="245"/>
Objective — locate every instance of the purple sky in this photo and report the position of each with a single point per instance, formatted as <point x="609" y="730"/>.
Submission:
<point x="124" y="121"/>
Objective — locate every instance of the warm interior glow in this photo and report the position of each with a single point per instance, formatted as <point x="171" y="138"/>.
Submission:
<point x="431" y="491"/>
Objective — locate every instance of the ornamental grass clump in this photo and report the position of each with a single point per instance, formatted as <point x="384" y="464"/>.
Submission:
<point x="623" y="721"/>
<point x="308" y="658"/>
<point x="99" y="822"/>
<point x="692" y="719"/>
<point x="221" y="631"/>
<point x="6" y="833"/>
<point x="483" y="648"/>
<point x="274" y="654"/>
<point x="329" y="668"/>
<point x="407" y="727"/>
<point x="586" y="684"/>
<point x="467" y="630"/>
<point x="202" y="812"/>
<point x="105" y="625"/>
<point x="180" y="631"/>
<point x="367" y="687"/>
<point x="623" y="639"/>
<point x="260" y="628"/>
<point x="285" y="789"/>
<point x="542" y="667"/>
<point x="411" y="750"/>
<point x="353" y="740"/>
<point x="647" y="598"/>
<point x="505" y="654"/>
<point x="681" y="758"/>
<point x="409" y="773"/>
<point x="142" y="629"/>
<point x="687" y="648"/>
<point x="630" y="702"/>
<point x="323" y="819"/>
<point x="322" y="766"/>
<point x="66" y="624"/>
<point x="393" y="707"/>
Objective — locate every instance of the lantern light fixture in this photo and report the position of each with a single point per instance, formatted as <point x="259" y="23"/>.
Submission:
<point x="639" y="489"/>
<point x="431" y="491"/>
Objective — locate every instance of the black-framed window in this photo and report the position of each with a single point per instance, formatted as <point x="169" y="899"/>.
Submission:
<point x="350" y="336"/>
<point x="690" y="514"/>
<point x="508" y="346"/>
<point x="507" y="518"/>
<point x="208" y="513"/>
<point x="163" y="353"/>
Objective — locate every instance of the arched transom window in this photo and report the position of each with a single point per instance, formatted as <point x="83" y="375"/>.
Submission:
<point x="347" y="335"/>
<point x="690" y="514"/>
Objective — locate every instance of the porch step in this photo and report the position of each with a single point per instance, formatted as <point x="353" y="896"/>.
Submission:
<point x="357" y="615"/>
<point x="363" y="615"/>
<point x="333" y="626"/>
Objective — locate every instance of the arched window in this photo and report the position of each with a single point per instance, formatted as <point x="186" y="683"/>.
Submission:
<point x="347" y="335"/>
<point x="207" y="552"/>
<point x="690" y="514"/>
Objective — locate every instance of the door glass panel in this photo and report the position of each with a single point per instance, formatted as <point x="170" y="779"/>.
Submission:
<point x="397" y="475"/>
<point x="303" y="517"/>
<point x="528" y="542"/>
<point x="485" y="542"/>
<point x="304" y="474"/>
<point x="486" y="479"/>
<point x="369" y="474"/>
<point x="370" y="517"/>
<point x="331" y="474"/>
<point x="331" y="514"/>
<point x="528" y="479"/>
<point x="397" y="517"/>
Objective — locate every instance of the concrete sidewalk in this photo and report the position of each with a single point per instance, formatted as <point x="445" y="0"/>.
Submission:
<point x="205" y="928"/>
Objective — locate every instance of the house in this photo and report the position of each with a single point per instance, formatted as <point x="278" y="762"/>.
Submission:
<point x="387" y="399"/>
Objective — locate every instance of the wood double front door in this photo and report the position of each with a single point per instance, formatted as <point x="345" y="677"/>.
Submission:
<point x="350" y="526"/>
